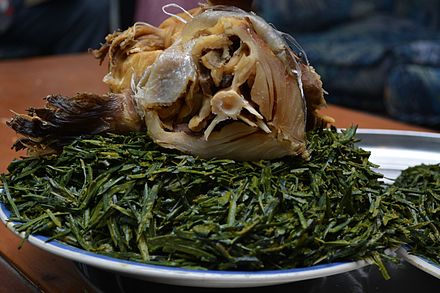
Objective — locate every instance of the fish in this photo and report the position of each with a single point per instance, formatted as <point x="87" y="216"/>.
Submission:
<point x="214" y="81"/>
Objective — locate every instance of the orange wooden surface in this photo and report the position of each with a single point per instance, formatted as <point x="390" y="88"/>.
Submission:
<point x="24" y="83"/>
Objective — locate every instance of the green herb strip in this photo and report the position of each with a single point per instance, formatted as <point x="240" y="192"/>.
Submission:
<point x="418" y="189"/>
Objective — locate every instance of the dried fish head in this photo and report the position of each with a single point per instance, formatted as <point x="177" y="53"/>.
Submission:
<point x="213" y="82"/>
<point x="228" y="86"/>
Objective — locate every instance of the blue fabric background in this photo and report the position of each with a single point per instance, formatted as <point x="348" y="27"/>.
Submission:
<point x="379" y="56"/>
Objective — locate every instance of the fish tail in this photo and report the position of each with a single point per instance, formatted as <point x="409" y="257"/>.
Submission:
<point x="65" y="118"/>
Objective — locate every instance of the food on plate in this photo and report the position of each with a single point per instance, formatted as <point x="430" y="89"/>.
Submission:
<point x="124" y="196"/>
<point x="420" y="187"/>
<point x="213" y="82"/>
<point x="209" y="152"/>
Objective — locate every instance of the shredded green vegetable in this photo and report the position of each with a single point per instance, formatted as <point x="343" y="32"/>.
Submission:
<point x="126" y="197"/>
<point x="418" y="188"/>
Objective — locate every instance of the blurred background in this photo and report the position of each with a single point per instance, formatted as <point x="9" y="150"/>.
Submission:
<point x="380" y="56"/>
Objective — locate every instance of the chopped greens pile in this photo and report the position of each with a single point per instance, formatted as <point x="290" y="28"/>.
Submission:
<point x="126" y="197"/>
<point x="418" y="188"/>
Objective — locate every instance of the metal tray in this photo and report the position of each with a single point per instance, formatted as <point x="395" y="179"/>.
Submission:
<point x="395" y="150"/>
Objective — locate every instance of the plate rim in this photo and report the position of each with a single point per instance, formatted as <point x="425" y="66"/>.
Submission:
<point x="427" y="134"/>
<point x="419" y="262"/>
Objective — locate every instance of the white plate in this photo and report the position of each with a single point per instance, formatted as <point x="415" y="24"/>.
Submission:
<point x="398" y="150"/>
<point x="419" y="262"/>
<point x="392" y="150"/>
